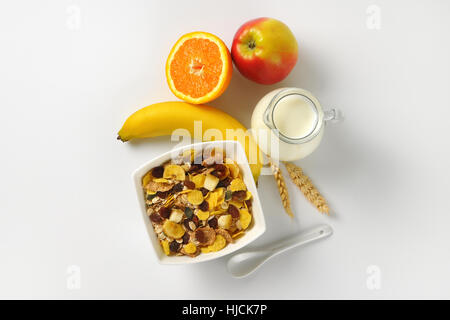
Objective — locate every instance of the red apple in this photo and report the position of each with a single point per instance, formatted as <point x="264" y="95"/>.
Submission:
<point x="264" y="50"/>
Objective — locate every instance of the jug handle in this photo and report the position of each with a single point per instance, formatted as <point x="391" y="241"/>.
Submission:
<point x="332" y="115"/>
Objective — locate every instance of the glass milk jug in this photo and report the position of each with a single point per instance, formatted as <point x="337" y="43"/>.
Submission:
<point x="288" y="123"/>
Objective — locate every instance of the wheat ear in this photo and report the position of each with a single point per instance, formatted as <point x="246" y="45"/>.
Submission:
<point x="307" y="188"/>
<point x="282" y="189"/>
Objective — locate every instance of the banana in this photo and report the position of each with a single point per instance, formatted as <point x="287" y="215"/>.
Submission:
<point x="161" y="119"/>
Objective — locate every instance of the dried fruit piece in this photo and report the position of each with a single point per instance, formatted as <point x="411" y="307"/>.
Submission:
<point x="195" y="167"/>
<point x="164" y="212"/>
<point x="157" y="172"/>
<point x="204" y="206"/>
<point x="237" y="185"/>
<point x="188" y="212"/>
<point x="190" y="248"/>
<point x="221" y="171"/>
<point x="186" y="238"/>
<point x="165" y="246"/>
<point x="224" y="233"/>
<point x="210" y="182"/>
<point x="248" y="196"/>
<point x="239" y="195"/>
<point x="189" y="184"/>
<point x="204" y="191"/>
<point x="186" y="224"/>
<point x="156" y="218"/>
<point x="213" y="223"/>
<point x="224" y="183"/>
<point x="195" y="197"/>
<point x="174" y="246"/>
<point x="176" y="215"/>
<point x="245" y="218"/>
<point x="178" y="187"/>
<point x="228" y="195"/>
<point x="198" y="180"/>
<point x="173" y="230"/>
<point x="205" y="236"/>
<point x="162" y="194"/>
<point x="202" y="215"/>
<point x="161" y="180"/>
<point x="233" y="211"/>
<point x="225" y="221"/>
<point x="173" y="171"/>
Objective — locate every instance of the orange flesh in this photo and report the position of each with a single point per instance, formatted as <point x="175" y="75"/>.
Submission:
<point x="196" y="67"/>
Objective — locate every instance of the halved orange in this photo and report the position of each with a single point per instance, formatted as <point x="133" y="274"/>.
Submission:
<point x="199" y="67"/>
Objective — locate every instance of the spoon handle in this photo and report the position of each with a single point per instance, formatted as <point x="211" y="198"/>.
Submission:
<point x="244" y="263"/>
<point x="315" y="233"/>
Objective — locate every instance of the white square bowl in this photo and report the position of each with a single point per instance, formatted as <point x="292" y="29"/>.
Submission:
<point x="237" y="153"/>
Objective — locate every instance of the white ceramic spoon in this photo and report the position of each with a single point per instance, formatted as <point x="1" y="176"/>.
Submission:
<point x="244" y="263"/>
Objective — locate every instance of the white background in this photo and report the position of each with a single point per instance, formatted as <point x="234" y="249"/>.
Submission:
<point x="72" y="71"/>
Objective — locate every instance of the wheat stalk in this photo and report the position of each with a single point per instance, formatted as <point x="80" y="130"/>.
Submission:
<point x="282" y="189"/>
<point x="307" y="188"/>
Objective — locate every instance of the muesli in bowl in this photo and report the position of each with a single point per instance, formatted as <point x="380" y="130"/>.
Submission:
<point x="197" y="202"/>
